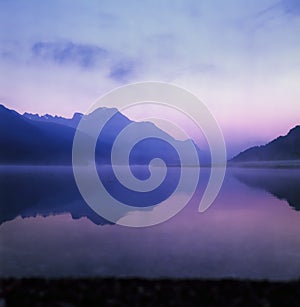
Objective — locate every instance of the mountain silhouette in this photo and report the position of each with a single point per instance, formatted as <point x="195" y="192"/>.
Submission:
<point x="69" y="122"/>
<point x="33" y="146"/>
<point x="23" y="141"/>
<point x="47" y="140"/>
<point x="282" y="148"/>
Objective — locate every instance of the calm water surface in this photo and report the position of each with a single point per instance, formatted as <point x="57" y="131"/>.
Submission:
<point x="251" y="231"/>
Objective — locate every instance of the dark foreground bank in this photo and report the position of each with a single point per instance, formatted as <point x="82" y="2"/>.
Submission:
<point x="138" y="292"/>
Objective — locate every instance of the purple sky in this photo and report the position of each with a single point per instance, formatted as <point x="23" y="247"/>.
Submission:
<point x="240" y="57"/>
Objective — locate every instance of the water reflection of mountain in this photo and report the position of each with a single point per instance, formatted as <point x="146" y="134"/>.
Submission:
<point x="29" y="192"/>
<point x="283" y="184"/>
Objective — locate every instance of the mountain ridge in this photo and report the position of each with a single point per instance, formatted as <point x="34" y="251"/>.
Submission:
<point x="42" y="140"/>
<point x="284" y="147"/>
<point x="71" y="122"/>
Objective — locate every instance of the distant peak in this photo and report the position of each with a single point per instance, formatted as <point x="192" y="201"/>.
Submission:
<point x="286" y="147"/>
<point x="295" y="129"/>
<point x="77" y="115"/>
<point x="3" y="107"/>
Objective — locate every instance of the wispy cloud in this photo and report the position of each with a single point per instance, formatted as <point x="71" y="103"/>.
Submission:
<point x="122" y="71"/>
<point x="240" y="56"/>
<point x="291" y="7"/>
<point x="83" y="55"/>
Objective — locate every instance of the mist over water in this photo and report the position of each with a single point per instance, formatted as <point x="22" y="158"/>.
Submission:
<point x="251" y="230"/>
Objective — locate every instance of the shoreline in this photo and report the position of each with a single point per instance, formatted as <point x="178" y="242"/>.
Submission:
<point x="276" y="164"/>
<point x="147" y="292"/>
<point x="287" y="164"/>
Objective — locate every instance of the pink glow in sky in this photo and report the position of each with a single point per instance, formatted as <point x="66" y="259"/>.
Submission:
<point x="240" y="58"/>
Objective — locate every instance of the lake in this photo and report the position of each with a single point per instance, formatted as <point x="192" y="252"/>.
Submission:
<point x="252" y="230"/>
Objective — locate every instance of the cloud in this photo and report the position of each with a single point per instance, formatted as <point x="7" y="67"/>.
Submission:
<point x="288" y="7"/>
<point x="122" y="71"/>
<point x="83" y="55"/>
<point x="116" y="66"/>
<point x="291" y="7"/>
<point x="7" y="55"/>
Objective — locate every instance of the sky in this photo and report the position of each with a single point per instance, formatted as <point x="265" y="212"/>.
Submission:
<point x="241" y="58"/>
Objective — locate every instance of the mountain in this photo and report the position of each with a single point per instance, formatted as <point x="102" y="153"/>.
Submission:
<point x="41" y="140"/>
<point x="70" y="122"/>
<point x="24" y="141"/>
<point x="282" y="148"/>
